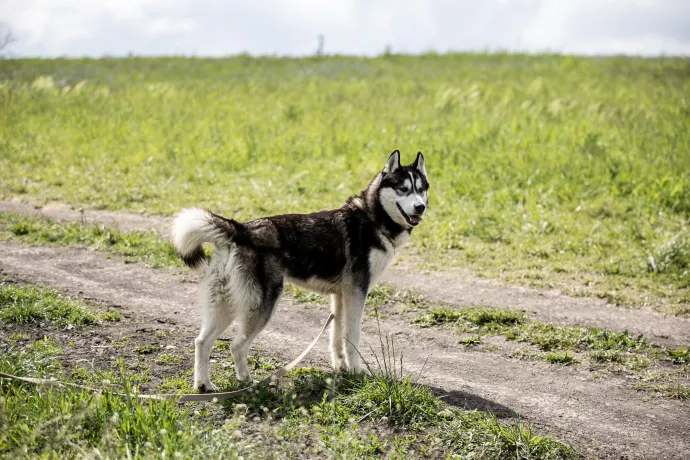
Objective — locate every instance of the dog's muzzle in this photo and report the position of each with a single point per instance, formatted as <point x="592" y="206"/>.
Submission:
<point x="412" y="219"/>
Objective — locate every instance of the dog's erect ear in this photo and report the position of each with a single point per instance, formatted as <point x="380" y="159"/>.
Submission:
<point x="393" y="163"/>
<point x="419" y="163"/>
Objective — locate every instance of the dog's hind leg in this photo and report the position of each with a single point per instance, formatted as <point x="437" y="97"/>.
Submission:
<point x="217" y="315"/>
<point x="353" y="303"/>
<point x="252" y="321"/>
<point x="337" y="330"/>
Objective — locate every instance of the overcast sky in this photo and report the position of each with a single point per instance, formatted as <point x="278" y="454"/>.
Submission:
<point x="221" y="27"/>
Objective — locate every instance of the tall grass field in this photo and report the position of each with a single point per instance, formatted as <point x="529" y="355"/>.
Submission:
<point x="554" y="171"/>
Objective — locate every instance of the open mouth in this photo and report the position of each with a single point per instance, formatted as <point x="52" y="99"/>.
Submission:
<point x="412" y="220"/>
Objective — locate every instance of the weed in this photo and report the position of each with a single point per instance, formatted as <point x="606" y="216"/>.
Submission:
<point x="606" y="356"/>
<point x="559" y="357"/>
<point x="180" y="383"/>
<point x="675" y="391"/>
<point x="679" y="355"/>
<point x="17" y="337"/>
<point x="302" y="296"/>
<point x="472" y="340"/>
<point x="552" y="337"/>
<point x="168" y="358"/>
<point x="147" y="349"/>
<point x="221" y="345"/>
<point x="472" y="435"/>
<point x="482" y="319"/>
<point x="111" y="316"/>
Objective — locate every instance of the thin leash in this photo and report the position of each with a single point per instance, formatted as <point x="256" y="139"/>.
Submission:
<point x="183" y="396"/>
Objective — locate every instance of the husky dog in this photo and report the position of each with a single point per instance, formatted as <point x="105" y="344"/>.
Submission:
<point x="340" y="252"/>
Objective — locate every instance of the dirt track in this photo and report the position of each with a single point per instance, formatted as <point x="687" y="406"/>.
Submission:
<point x="602" y="416"/>
<point x="548" y="306"/>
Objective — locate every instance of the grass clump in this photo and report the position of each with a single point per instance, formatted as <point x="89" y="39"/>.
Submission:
<point x="221" y="345"/>
<point x="113" y="316"/>
<point x="559" y="357"/>
<point x="483" y="319"/>
<point x="606" y="356"/>
<point x="680" y="355"/>
<point x="147" y="349"/>
<point x="550" y="337"/>
<point x="472" y="340"/>
<point x="475" y="436"/>
<point x="28" y="304"/>
<point x="674" y="391"/>
<point x="302" y="296"/>
<point x="559" y="343"/>
<point x="140" y="246"/>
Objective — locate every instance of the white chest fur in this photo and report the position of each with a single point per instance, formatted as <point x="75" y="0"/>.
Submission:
<point x="380" y="260"/>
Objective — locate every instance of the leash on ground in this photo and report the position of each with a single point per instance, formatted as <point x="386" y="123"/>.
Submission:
<point x="184" y="396"/>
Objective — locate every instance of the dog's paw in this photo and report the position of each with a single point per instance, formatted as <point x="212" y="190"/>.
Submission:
<point x="247" y="381"/>
<point x="207" y="388"/>
<point x="339" y="365"/>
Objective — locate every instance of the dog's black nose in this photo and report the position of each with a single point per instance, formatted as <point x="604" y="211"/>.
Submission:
<point x="419" y="208"/>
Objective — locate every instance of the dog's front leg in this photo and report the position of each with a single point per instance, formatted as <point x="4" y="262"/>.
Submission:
<point x="337" y="333"/>
<point x="353" y="303"/>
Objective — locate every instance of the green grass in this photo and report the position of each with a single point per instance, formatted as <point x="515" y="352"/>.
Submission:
<point x="147" y="349"/>
<point x="482" y="319"/>
<point x="310" y="414"/>
<point x="677" y="391"/>
<point x="550" y="337"/>
<point x="146" y="247"/>
<point x="514" y="325"/>
<point x="555" y="344"/>
<point x="27" y="304"/>
<point x="556" y="171"/>
<point x="680" y="355"/>
<point x="559" y="357"/>
<point x="472" y="340"/>
<point x="606" y="356"/>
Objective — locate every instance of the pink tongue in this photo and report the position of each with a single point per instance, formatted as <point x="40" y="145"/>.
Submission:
<point x="415" y="219"/>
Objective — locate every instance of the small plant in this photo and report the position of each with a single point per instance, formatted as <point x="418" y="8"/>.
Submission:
<point x="168" y="358"/>
<point x="21" y="228"/>
<point x="484" y="319"/>
<point x="473" y="340"/>
<point x="17" y="337"/>
<point x="147" y="349"/>
<point x="558" y="357"/>
<point x="113" y="316"/>
<point x="302" y="296"/>
<point x="606" y="356"/>
<point x="674" y="391"/>
<point x="680" y="355"/>
<point x="221" y="345"/>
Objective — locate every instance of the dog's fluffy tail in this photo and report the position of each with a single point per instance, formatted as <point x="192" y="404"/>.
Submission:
<point x="192" y="227"/>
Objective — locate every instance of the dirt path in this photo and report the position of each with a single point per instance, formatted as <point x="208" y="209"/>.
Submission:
<point x="548" y="306"/>
<point x="602" y="416"/>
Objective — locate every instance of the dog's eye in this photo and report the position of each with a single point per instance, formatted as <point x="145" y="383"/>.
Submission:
<point x="404" y="189"/>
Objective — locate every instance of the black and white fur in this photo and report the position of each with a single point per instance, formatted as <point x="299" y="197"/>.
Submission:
<point x="340" y="252"/>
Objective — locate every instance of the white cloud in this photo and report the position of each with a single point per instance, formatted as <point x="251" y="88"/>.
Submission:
<point x="221" y="27"/>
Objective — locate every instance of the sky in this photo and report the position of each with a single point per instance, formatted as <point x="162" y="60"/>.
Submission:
<point x="51" y="28"/>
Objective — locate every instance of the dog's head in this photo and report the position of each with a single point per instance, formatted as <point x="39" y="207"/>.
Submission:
<point x="403" y="190"/>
